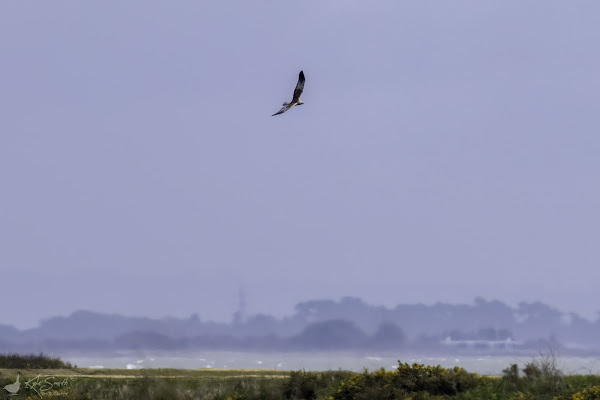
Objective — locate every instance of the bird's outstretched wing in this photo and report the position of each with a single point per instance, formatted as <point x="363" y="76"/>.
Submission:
<point x="299" y="88"/>
<point x="286" y="107"/>
<point x="296" y="99"/>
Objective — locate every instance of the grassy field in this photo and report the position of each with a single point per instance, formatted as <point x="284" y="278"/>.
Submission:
<point x="85" y="383"/>
<point x="407" y="382"/>
<point x="148" y="373"/>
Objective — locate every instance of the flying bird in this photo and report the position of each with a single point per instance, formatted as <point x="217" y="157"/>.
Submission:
<point x="296" y="99"/>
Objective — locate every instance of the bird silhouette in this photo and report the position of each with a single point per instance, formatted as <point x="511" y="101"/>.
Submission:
<point x="13" y="388"/>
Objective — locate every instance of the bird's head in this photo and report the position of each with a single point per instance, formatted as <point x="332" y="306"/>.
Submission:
<point x="300" y="103"/>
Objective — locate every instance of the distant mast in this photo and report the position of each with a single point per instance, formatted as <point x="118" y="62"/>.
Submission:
<point x="240" y="315"/>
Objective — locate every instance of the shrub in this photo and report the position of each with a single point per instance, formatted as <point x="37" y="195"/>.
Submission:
<point x="532" y="370"/>
<point x="310" y="385"/>
<point x="417" y="380"/>
<point x="511" y="373"/>
<point x="543" y="376"/>
<point x="435" y="380"/>
<point x="590" y="393"/>
<point x="32" y="361"/>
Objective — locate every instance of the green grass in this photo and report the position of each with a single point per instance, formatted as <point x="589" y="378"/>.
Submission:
<point x="147" y="383"/>
<point x="149" y="373"/>
<point x="414" y="382"/>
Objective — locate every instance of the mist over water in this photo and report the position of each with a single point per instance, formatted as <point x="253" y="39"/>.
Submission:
<point x="346" y="360"/>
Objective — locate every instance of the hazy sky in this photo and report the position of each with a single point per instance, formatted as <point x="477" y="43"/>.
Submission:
<point x="445" y="150"/>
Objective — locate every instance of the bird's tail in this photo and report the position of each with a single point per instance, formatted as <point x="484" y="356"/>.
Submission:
<point x="286" y="104"/>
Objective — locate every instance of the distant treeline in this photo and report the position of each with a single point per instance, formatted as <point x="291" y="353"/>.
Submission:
<point x="322" y="325"/>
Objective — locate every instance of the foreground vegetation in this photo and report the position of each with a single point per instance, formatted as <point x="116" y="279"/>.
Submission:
<point x="538" y="380"/>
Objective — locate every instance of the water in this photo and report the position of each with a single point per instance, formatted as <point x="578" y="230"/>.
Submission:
<point x="353" y="361"/>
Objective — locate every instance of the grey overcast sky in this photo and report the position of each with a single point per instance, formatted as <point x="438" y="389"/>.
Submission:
<point x="445" y="150"/>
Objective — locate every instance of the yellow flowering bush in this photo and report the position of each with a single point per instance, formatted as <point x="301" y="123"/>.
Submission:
<point x="406" y="381"/>
<point x="591" y="393"/>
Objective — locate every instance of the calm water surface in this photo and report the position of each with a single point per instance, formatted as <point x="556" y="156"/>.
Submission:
<point x="354" y="361"/>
